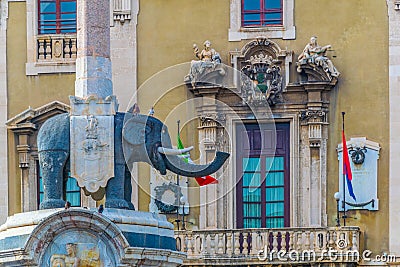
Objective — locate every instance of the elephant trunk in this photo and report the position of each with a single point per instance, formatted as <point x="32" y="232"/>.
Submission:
<point x="177" y="165"/>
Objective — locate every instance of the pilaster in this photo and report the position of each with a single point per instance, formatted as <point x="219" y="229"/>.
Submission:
<point x="28" y="186"/>
<point x="3" y="113"/>
<point x="394" y="100"/>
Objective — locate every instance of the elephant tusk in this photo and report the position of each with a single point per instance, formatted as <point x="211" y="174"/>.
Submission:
<point x="172" y="151"/>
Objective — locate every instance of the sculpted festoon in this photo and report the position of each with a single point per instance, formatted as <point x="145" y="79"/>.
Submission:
<point x="137" y="138"/>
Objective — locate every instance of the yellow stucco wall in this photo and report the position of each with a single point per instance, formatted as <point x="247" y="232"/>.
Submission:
<point x="26" y="91"/>
<point x="357" y="30"/>
<point x="358" y="33"/>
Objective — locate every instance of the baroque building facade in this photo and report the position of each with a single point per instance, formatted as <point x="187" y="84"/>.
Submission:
<point x="265" y="91"/>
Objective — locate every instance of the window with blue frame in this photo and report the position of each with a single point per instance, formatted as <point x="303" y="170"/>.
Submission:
<point x="73" y="191"/>
<point x="56" y="16"/>
<point x="259" y="13"/>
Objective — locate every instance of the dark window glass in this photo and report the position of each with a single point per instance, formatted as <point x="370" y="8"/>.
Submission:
<point x="57" y="16"/>
<point x="263" y="187"/>
<point x="258" y="13"/>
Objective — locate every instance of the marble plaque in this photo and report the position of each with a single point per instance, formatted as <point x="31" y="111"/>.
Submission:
<point x="92" y="150"/>
<point x="363" y="155"/>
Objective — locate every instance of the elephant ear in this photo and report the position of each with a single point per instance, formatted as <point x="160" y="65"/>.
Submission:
<point x="135" y="130"/>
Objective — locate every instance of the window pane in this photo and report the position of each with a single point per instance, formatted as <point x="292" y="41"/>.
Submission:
<point x="41" y="194"/>
<point x="72" y="185"/>
<point x="252" y="223"/>
<point x="268" y="4"/>
<point x="274" y="194"/>
<point x="251" y="164"/>
<point x="251" y="179"/>
<point x="274" y="163"/>
<point x="251" y="194"/>
<point x="251" y="210"/>
<point x="273" y="18"/>
<point x="274" y="209"/>
<point x="274" y="222"/>
<point x="47" y="7"/>
<point x="57" y="18"/>
<point x="71" y="17"/>
<point x="73" y="192"/>
<point x="251" y="4"/>
<point x="252" y="18"/>
<point x="68" y="7"/>
<point x="275" y="179"/>
<point x="74" y="199"/>
<point x="48" y="19"/>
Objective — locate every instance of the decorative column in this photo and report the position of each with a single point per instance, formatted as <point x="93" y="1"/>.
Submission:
<point x="313" y="133"/>
<point x="208" y="194"/>
<point x="28" y="186"/>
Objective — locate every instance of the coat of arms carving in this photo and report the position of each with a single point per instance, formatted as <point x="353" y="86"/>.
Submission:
<point x="92" y="162"/>
<point x="261" y="80"/>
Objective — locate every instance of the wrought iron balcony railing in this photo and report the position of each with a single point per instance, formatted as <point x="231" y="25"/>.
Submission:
<point x="269" y="246"/>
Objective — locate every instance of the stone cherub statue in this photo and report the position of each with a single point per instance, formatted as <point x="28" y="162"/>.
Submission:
<point x="315" y="54"/>
<point x="209" y="60"/>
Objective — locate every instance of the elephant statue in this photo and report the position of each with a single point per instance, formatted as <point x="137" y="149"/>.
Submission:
<point x="137" y="138"/>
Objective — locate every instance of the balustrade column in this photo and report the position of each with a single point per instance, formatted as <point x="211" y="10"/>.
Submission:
<point x="212" y="243"/>
<point x="275" y="241"/>
<point x="229" y="250"/>
<point x="283" y="242"/>
<point x="221" y="243"/>
<point x="245" y="243"/>
<point x="237" y="243"/>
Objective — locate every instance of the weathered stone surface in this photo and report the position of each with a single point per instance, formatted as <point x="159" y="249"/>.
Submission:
<point x="92" y="143"/>
<point x="93" y="65"/>
<point x="43" y="238"/>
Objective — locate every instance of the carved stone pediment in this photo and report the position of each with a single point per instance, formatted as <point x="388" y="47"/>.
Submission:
<point x="264" y="68"/>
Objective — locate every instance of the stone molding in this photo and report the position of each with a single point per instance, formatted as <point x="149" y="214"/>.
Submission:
<point x="35" y="66"/>
<point x="237" y="32"/>
<point x="305" y="106"/>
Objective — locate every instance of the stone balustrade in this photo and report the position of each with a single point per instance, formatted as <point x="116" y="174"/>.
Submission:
<point x="57" y="48"/>
<point x="269" y="246"/>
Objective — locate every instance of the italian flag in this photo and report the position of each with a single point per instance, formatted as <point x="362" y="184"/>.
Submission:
<point x="186" y="157"/>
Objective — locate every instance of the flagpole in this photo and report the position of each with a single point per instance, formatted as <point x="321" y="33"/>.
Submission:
<point x="344" y="176"/>
<point x="177" y="183"/>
